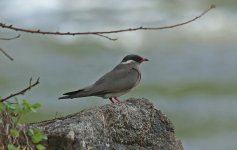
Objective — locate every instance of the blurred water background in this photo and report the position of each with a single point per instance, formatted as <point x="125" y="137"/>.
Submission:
<point x="191" y="76"/>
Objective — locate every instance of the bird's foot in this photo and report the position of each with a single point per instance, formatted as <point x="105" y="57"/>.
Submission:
<point x="112" y="100"/>
<point x="117" y="99"/>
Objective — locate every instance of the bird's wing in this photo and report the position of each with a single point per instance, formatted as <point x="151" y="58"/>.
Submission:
<point x="122" y="78"/>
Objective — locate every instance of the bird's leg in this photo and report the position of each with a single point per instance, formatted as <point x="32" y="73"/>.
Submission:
<point x="111" y="99"/>
<point x="116" y="99"/>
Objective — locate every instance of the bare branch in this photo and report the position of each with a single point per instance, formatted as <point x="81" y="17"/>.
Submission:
<point x="22" y="92"/>
<point x="12" y="38"/>
<point x="102" y="33"/>
<point x="7" y="55"/>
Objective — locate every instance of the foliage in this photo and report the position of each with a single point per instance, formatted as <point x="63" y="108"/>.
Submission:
<point x="17" y="136"/>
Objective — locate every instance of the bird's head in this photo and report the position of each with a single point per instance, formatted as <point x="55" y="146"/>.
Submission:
<point x="133" y="58"/>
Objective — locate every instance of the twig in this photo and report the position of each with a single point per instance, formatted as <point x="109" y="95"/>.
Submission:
<point x="30" y="83"/>
<point x="112" y="39"/>
<point x="7" y="55"/>
<point x="102" y="33"/>
<point x="11" y="38"/>
<point x="22" y="92"/>
<point x="26" y="138"/>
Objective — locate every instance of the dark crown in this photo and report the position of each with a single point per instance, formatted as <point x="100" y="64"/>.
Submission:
<point x="136" y="58"/>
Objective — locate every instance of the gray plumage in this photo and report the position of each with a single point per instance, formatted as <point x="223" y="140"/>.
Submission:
<point x="115" y="83"/>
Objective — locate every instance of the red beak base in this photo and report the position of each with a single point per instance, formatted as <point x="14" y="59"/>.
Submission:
<point x="143" y="59"/>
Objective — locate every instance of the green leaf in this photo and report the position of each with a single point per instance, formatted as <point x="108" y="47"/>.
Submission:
<point x="30" y="132"/>
<point x="32" y="109"/>
<point x="14" y="132"/>
<point x="10" y="107"/>
<point x="12" y="147"/>
<point x="25" y="102"/>
<point x="40" y="147"/>
<point x="27" y="107"/>
<point x="36" y="105"/>
<point x="2" y="107"/>
<point x="38" y="136"/>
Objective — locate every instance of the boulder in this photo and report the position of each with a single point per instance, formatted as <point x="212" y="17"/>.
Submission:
<point x="129" y="125"/>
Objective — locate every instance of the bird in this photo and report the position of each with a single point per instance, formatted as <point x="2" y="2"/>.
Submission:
<point x="119" y="81"/>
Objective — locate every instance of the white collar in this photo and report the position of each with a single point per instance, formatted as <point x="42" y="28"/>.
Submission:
<point x="128" y="62"/>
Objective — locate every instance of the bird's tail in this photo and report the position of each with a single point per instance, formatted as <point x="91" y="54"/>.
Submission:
<point x="74" y="94"/>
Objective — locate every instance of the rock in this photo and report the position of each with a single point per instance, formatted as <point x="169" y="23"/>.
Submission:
<point x="129" y="125"/>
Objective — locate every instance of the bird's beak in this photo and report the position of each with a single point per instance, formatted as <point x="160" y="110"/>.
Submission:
<point x="144" y="59"/>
